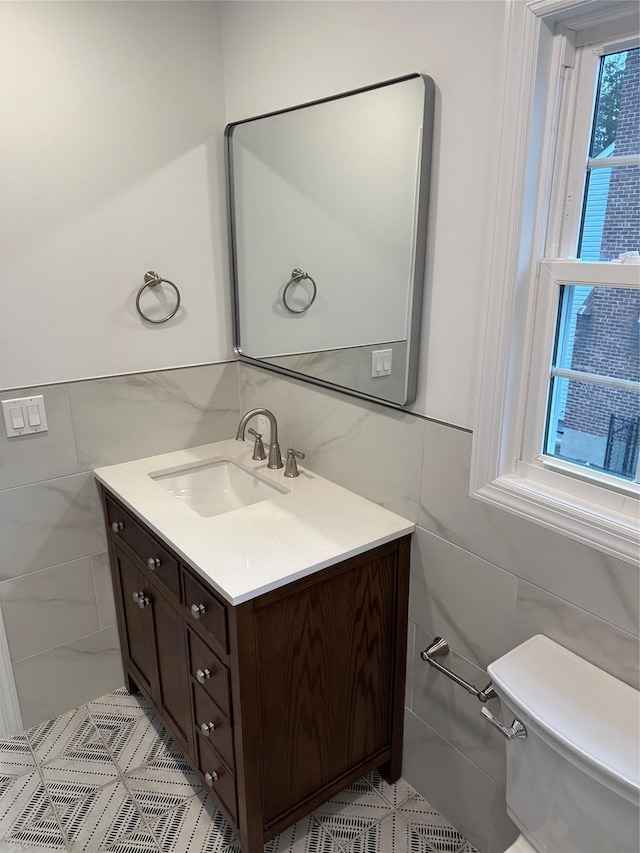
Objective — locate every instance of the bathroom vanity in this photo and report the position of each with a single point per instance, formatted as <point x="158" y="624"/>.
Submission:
<point x="269" y="638"/>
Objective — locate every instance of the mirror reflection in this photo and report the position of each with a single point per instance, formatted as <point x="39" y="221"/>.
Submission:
<point x="327" y="207"/>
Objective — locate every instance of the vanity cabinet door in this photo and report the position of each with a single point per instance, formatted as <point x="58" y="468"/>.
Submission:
<point x="138" y="620"/>
<point x="173" y="675"/>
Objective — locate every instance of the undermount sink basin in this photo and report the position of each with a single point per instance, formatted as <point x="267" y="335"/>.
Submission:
<point x="216" y="486"/>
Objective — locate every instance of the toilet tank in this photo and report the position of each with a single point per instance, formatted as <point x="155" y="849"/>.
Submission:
<point x="573" y="783"/>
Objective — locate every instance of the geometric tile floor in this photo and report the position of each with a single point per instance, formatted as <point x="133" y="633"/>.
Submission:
<point x="107" y="777"/>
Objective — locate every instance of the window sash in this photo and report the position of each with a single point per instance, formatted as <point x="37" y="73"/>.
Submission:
<point x="529" y="215"/>
<point x="552" y="275"/>
<point x="571" y="158"/>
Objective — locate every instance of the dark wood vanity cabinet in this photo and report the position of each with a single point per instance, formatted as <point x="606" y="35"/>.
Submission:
<point x="279" y="702"/>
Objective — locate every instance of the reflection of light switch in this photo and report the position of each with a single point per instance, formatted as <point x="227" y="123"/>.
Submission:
<point x="24" y="415"/>
<point x="381" y="362"/>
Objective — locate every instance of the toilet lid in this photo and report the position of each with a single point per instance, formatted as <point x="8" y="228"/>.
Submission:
<point x="586" y="711"/>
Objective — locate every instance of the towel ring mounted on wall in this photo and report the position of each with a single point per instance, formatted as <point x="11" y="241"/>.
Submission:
<point x="298" y="275"/>
<point x="152" y="279"/>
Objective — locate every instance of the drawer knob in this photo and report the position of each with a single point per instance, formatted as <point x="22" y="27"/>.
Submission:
<point x="203" y="674"/>
<point x="205" y="728"/>
<point x="197" y="610"/>
<point x="210" y="778"/>
<point x="141" y="599"/>
<point x="153" y="563"/>
<point x="117" y="526"/>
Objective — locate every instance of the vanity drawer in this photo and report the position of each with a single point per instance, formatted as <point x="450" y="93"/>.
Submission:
<point x="146" y="547"/>
<point x="221" y="736"/>
<point x="206" y="609"/>
<point x="218" y="779"/>
<point x="209" y="671"/>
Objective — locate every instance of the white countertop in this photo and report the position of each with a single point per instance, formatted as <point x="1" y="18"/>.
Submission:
<point x="257" y="548"/>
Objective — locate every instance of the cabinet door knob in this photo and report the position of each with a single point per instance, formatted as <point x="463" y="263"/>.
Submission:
<point x="206" y="728"/>
<point x="153" y="563"/>
<point x="140" y="599"/>
<point x="210" y="778"/>
<point x="117" y="526"/>
<point x="203" y="674"/>
<point x="197" y="610"/>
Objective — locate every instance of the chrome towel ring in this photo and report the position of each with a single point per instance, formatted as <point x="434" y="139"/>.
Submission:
<point x="298" y="275"/>
<point x="151" y="279"/>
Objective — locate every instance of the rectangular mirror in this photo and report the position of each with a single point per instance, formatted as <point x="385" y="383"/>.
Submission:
<point x="328" y="207"/>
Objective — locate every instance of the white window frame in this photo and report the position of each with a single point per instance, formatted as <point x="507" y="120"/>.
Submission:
<point x="533" y="211"/>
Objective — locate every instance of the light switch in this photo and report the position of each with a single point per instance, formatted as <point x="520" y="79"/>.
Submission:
<point x="24" y="415"/>
<point x="17" y="417"/>
<point x="33" y="413"/>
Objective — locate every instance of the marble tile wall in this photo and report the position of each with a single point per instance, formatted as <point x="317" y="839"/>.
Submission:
<point x="484" y="579"/>
<point x="55" y="587"/>
<point x="480" y="577"/>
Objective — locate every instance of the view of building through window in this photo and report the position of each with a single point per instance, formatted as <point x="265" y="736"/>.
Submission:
<point x="593" y="416"/>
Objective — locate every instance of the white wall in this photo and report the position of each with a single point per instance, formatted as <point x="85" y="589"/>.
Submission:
<point x="112" y="123"/>
<point x="278" y="54"/>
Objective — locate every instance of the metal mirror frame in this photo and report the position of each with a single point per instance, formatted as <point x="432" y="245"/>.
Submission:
<point x="420" y="239"/>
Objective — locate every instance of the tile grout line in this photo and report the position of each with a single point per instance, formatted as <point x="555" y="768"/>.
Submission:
<point x="148" y="824"/>
<point x="122" y="777"/>
<point x="67" y="843"/>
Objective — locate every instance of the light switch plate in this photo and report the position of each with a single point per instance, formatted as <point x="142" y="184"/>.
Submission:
<point x="29" y="411"/>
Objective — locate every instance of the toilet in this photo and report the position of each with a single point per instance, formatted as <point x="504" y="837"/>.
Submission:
<point x="573" y="778"/>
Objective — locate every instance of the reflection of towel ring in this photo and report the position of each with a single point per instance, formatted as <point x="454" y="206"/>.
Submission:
<point x="151" y="279"/>
<point x="298" y="275"/>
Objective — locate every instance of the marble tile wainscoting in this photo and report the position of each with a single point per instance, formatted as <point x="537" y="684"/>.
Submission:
<point x="480" y="577"/>
<point x="55" y="586"/>
<point x="483" y="579"/>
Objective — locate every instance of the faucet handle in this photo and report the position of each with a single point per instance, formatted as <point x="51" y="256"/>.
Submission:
<point x="291" y="469"/>
<point x="258" y="447"/>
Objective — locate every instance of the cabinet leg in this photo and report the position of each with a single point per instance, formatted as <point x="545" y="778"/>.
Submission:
<point x="251" y="843"/>
<point x="391" y="770"/>
<point x="130" y="685"/>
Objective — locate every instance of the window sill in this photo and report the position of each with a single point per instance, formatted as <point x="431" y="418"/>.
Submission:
<point x="612" y="529"/>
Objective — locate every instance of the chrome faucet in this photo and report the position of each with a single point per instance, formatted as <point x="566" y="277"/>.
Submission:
<point x="275" y="458"/>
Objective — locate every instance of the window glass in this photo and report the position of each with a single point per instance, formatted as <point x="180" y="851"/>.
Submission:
<point x="593" y="419"/>
<point x="617" y="106"/>
<point x="611" y="220"/>
<point x="611" y="211"/>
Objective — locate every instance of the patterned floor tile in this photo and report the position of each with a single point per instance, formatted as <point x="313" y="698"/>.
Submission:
<point x="425" y="820"/>
<point x="306" y="836"/>
<point x="101" y="819"/>
<point x="196" y="825"/>
<point x="161" y="808"/>
<point x="64" y="734"/>
<point x="139" y="842"/>
<point x="391" y="834"/>
<point x="15" y="757"/>
<point x="43" y="836"/>
<point x="163" y="785"/>
<point x="134" y="741"/>
<point x="395" y="794"/>
<point x="352" y="812"/>
<point x="24" y="801"/>
<point x="120" y="702"/>
<point x="74" y="775"/>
